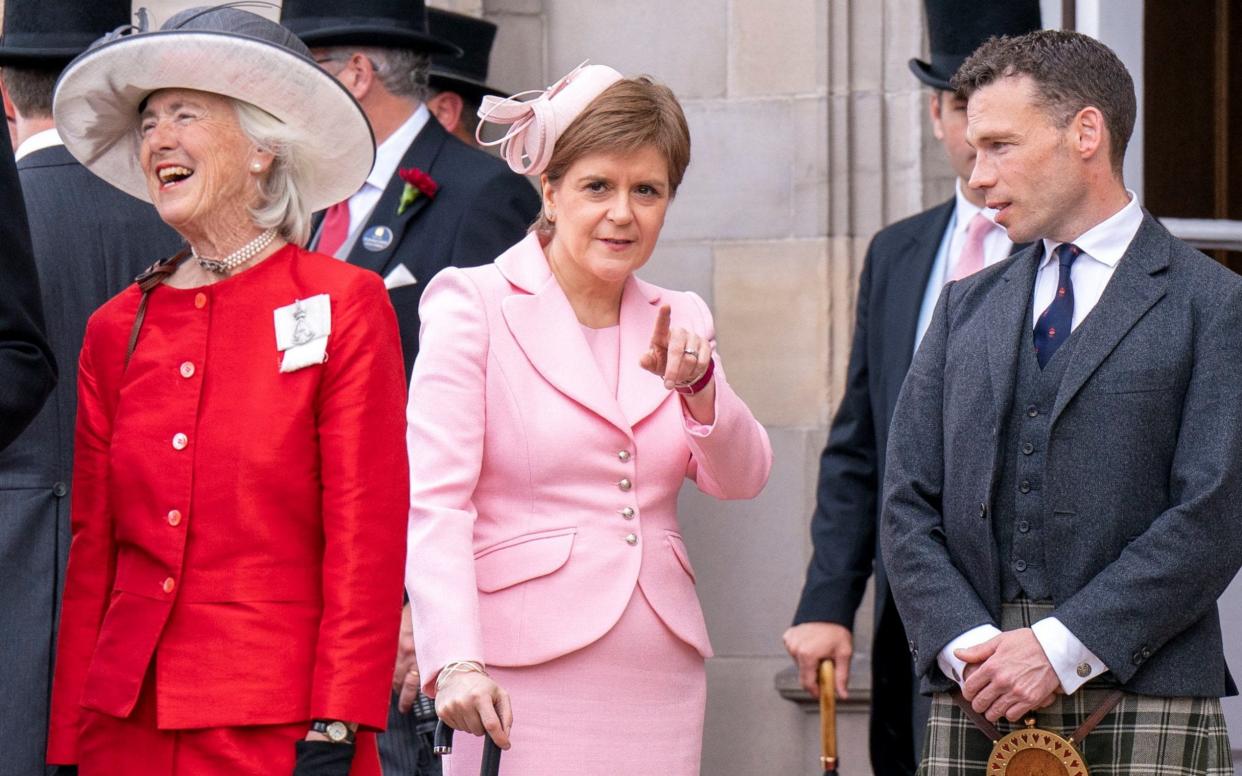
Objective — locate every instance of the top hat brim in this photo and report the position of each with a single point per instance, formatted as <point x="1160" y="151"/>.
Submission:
<point x="97" y="99"/>
<point x="933" y="77"/>
<point x="449" y="82"/>
<point x="10" y="57"/>
<point x="370" y="35"/>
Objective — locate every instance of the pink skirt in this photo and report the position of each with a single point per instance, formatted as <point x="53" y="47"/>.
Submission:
<point x="630" y="703"/>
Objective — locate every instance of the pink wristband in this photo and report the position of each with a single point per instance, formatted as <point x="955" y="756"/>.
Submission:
<point x="701" y="383"/>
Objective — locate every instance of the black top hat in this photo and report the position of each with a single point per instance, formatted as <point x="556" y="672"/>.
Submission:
<point x="52" y="32"/>
<point x="388" y="23"/>
<point x="466" y="74"/>
<point x="956" y="28"/>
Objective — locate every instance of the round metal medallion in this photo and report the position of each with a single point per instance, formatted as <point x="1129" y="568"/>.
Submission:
<point x="1031" y="751"/>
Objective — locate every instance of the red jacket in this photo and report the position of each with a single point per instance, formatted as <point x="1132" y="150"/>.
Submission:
<point x="238" y="532"/>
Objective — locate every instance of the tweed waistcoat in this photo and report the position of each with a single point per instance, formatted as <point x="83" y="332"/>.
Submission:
<point x="1021" y="510"/>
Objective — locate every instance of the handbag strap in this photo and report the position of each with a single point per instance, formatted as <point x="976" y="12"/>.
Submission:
<point x="988" y="729"/>
<point x="151" y="277"/>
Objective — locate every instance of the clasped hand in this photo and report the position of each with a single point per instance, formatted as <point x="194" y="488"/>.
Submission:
<point x="1008" y="676"/>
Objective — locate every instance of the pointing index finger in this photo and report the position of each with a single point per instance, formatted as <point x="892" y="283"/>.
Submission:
<point x="659" y="337"/>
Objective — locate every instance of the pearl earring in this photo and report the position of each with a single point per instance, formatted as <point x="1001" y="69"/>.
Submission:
<point x="255" y="166"/>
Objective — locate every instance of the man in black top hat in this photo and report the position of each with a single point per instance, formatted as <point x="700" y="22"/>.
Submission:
<point x="89" y="241"/>
<point x="907" y="263"/>
<point x="458" y="84"/>
<point x="474" y="208"/>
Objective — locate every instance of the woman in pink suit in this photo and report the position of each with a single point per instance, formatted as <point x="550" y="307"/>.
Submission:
<point x="557" y="405"/>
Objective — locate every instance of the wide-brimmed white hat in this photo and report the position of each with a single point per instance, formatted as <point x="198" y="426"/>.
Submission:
<point x="225" y="51"/>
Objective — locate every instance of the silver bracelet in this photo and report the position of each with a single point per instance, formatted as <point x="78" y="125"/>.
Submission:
<point x="459" y="667"/>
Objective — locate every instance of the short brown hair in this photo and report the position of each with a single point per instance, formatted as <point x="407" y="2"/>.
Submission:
<point x="30" y="89"/>
<point x="1071" y="71"/>
<point x="631" y="114"/>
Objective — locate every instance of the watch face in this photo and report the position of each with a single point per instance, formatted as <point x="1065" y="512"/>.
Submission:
<point x="338" y="731"/>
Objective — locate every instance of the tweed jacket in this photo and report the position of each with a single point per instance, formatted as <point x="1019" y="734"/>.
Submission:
<point x="1143" y="454"/>
<point x="540" y="499"/>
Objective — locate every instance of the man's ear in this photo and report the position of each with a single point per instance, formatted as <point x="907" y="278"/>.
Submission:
<point x="447" y="108"/>
<point x="358" y="75"/>
<point x="1089" y="132"/>
<point x="934" y="106"/>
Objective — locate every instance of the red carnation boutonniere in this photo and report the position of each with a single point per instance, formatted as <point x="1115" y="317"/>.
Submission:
<point x="416" y="182"/>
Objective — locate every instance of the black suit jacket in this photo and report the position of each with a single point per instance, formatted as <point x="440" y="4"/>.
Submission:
<point x="481" y="208"/>
<point x="1141" y="486"/>
<point x="27" y="368"/>
<point x="851" y="468"/>
<point x="89" y="240"/>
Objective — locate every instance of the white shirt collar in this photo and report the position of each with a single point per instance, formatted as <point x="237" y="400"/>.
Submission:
<point x="388" y="155"/>
<point x="966" y="209"/>
<point x="37" y="142"/>
<point x="1107" y="241"/>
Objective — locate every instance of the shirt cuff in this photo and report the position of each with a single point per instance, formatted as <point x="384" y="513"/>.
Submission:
<point x="1074" y="664"/>
<point x="953" y="666"/>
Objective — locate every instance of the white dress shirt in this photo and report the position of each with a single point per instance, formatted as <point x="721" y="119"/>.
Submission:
<point x="996" y="247"/>
<point x="1102" y="247"/>
<point x="387" y="159"/>
<point x="37" y="142"/>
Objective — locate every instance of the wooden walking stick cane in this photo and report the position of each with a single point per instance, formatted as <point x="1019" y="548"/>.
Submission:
<point x="828" y="718"/>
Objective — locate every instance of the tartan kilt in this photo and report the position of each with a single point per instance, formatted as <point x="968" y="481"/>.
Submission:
<point x="1142" y="735"/>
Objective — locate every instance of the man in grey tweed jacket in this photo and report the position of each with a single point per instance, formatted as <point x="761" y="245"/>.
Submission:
<point x="1069" y="441"/>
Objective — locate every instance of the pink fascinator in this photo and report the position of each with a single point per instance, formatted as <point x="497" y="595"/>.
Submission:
<point x="535" y="124"/>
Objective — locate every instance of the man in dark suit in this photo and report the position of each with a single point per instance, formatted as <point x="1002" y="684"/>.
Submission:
<point x="90" y="240"/>
<point x="907" y="264"/>
<point x="1062" y="492"/>
<point x="380" y="49"/>
<point x="458" y="84"/>
<point x="27" y="368"/>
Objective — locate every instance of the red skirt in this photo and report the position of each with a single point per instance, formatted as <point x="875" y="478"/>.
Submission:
<point x="108" y="746"/>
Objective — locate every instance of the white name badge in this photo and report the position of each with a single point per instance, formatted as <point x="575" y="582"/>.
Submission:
<point x="302" y="330"/>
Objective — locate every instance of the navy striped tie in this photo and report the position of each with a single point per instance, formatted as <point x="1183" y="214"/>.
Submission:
<point x="1054" y="324"/>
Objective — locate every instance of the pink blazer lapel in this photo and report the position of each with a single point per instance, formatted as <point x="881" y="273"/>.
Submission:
<point x="545" y="328"/>
<point x="639" y="392"/>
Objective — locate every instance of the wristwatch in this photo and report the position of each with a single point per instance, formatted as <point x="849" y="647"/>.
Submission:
<point x="337" y="731"/>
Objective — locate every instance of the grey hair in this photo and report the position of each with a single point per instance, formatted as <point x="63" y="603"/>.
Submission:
<point x="282" y="206"/>
<point x="402" y="72"/>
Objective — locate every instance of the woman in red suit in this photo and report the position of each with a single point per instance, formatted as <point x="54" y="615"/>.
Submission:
<point x="240" y="480"/>
<point x="557" y="406"/>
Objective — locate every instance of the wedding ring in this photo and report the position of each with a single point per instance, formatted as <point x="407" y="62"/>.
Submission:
<point x="690" y="352"/>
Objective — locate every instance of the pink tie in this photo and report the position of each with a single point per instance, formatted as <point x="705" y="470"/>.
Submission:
<point x="335" y="228"/>
<point x="970" y="260"/>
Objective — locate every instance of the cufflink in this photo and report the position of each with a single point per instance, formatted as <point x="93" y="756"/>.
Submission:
<point x="1084" y="670"/>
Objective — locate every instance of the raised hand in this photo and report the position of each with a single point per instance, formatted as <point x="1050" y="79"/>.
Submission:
<point x="678" y="356"/>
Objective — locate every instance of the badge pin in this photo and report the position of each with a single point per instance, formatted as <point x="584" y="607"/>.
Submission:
<point x="377" y="239"/>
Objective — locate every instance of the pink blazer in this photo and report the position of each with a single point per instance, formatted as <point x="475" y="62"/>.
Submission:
<point x="538" y="498"/>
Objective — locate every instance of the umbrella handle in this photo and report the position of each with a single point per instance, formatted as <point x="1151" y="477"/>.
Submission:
<point x="828" y="717"/>
<point x="442" y="744"/>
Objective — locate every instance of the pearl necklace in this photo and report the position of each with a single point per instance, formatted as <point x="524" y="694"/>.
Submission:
<point x="237" y="257"/>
